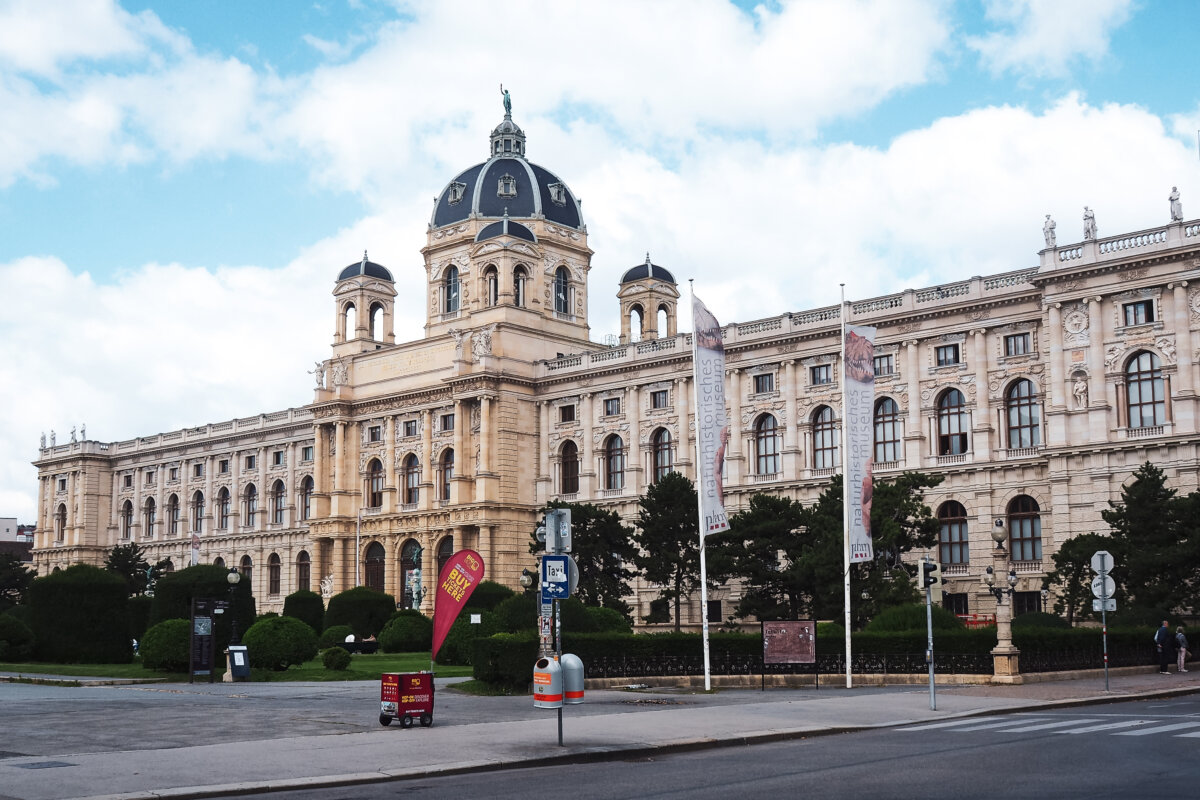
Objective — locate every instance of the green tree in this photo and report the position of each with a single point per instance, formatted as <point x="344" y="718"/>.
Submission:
<point x="15" y="578"/>
<point x="668" y="538"/>
<point x="1072" y="575"/>
<point x="601" y="547"/>
<point x="763" y="547"/>
<point x="129" y="562"/>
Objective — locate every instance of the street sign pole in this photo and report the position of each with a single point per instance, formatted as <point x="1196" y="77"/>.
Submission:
<point x="1102" y="562"/>
<point x="929" y="645"/>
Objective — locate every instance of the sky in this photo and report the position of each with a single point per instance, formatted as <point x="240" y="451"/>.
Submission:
<point x="181" y="182"/>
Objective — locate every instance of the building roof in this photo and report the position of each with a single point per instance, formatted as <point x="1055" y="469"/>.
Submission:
<point x="365" y="267"/>
<point x="647" y="270"/>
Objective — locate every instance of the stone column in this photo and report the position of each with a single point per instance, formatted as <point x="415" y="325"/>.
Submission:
<point x="791" y="430"/>
<point x="684" y="449"/>
<point x="637" y="456"/>
<point x="1185" y="385"/>
<point x="485" y="447"/>
<point x="587" y="464"/>
<point x="461" y="461"/>
<point x="734" y="460"/>
<point x="544" y="481"/>
<point x="981" y="427"/>
<point x="1005" y="657"/>
<point x="1056" y="389"/>
<point x="339" y="457"/>
<point x="913" y="427"/>
<point x="390" y="492"/>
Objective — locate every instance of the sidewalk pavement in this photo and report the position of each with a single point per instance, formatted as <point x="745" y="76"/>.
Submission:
<point x="182" y="740"/>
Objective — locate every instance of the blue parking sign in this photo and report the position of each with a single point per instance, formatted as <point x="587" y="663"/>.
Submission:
<point x="555" y="578"/>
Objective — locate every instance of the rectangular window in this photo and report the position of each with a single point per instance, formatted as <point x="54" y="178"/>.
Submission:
<point x="821" y="375"/>
<point x="447" y="422"/>
<point x="173" y="474"/>
<point x="250" y="462"/>
<point x="62" y="484"/>
<point x="955" y="603"/>
<point x="947" y="354"/>
<point x="198" y="470"/>
<point x="149" y="477"/>
<point x="1017" y="345"/>
<point x="127" y="481"/>
<point x="306" y="453"/>
<point x="566" y="413"/>
<point x="885" y="365"/>
<point x="659" y="399"/>
<point x="277" y="458"/>
<point x="714" y="611"/>
<point x="223" y="466"/>
<point x="612" y="406"/>
<point x="1139" y="313"/>
<point x="764" y="383"/>
<point x="410" y="427"/>
<point x="375" y="433"/>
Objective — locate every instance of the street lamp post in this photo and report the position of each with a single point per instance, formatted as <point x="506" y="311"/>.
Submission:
<point x="1005" y="657"/>
<point x="234" y="578"/>
<point x="1045" y="597"/>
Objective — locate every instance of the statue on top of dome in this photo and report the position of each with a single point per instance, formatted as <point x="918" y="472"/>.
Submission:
<point x="507" y="101"/>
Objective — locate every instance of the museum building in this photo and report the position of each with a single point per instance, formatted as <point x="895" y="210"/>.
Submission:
<point x="1034" y="393"/>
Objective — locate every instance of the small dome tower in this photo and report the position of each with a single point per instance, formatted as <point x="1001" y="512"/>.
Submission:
<point x="364" y="300"/>
<point x="647" y="292"/>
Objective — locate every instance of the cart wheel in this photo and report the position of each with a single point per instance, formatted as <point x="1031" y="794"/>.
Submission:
<point x="426" y="720"/>
<point x="385" y="720"/>
<point x="406" y="721"/>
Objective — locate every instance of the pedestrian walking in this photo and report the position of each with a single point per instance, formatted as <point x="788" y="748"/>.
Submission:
<point x="1181" y="649"/>
<point x="1165" y="642"/>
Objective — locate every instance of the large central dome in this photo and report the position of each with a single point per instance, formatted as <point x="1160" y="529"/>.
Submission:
<point x="507" y="185"/>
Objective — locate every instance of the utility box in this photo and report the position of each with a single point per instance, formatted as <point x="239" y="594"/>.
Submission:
<point x="572" y="670"/>
<point x="238" y="663"/>
<point x="547" y="683"/>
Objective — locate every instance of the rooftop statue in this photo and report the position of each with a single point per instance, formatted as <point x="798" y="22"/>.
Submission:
<point x="507" y="101"/>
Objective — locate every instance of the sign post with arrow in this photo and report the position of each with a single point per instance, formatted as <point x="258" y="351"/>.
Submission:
<point x="1103" y="588"/>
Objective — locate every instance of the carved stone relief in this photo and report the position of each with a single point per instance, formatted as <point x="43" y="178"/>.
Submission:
<point x="1076" y="326"/>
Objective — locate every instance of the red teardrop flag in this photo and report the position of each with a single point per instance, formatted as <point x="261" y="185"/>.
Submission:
<point x="459" y="577"/>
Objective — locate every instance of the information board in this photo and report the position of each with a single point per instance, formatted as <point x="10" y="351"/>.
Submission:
<point x="791" y="641"/>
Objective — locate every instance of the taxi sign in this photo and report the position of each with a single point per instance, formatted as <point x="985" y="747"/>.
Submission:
<point x="556" y="574"/>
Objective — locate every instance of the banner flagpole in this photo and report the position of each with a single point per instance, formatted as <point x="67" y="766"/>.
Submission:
<point x="845" y="492"/>
<point x="699" y="494"/>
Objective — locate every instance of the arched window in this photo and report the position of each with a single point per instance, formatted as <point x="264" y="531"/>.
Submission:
<point x="218" y="562"/>
<point x="303" y="571"/>
<point x="373" y="572"/>
<point x="273" y="572"/>
<point x="766" y="445"/>
<point x="60" y="522"/>
<point x="168" y="567"/>
<point x="197" y="512"/>
<point x="149" y="514"/>
<point x="445" y="474"/>
<point x="223" y="508"/>
<point x="887" y="430"/>
<point x="662" y="324"/>
<point x="173" y="515"/>
<point x="306" y="493"/>
<point x="568" y="478"/>
<point x="1146" y="391"/>
<point x="491" y="281"/>
<point x="519" y="277"/>
<point x="663" y="457"/>
<point x="450" y="290"/>
<point x="349" y="320"/>
<point x="412" y="478"/>
<point x="251" y="497"/>
<point x="562" y="291"/>
<point x="1025" y="529"/>
<point x="374" y="484"/>
<point x="1024" y="421"/>
<point x="636" y="321"/>
<point x="614" y="463"/>
<point x="377" y="322"/>
<point x="952" y="541"/>
<point x="445" y="549"/>
<point x="952" y="423"/>
<point x="247" y="569"/>
<point x="126" y="520"/>
<point x="825" y="439"/>
<point x="410" y="569"/>
<point x="278" y="501"/>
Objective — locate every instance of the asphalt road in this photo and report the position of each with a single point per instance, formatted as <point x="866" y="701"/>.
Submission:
<point x="1120" y="750"/>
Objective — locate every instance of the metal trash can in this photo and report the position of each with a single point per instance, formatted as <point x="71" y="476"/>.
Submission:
<point x="547" y="683"/>
<point x="572" y="670"/>
<point x="406" y="696"/>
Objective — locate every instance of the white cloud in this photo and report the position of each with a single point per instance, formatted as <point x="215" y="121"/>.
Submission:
<point x="1044" y="37"/>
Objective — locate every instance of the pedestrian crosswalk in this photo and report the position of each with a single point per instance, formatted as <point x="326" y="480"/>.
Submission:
<point x="1051" y="724"/>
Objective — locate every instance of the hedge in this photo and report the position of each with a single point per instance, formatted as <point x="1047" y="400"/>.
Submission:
<point x="16" y="639"/>
<point x="307" y="607"/>
<point x="365" y="610"/>
<point x="80" y="615"/>
<point x="334" y="637"/>
<point x="166" y="646"/>
<point x="276" y="643"/>
<point x="912" y="617"/>
<point x="173" y="594"/>
<point x="408" y="631"/>
<point x="487" y="595"/>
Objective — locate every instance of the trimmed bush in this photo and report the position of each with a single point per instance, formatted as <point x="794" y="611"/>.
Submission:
<point x="335" y="658"/>
<point x="16" y="640"/>
<point x="22" y="612"/>
<point x="80" y="615"/>
<point x="517" y="613"/>
<point x="165" y="646"/>
<point x="487" y="595"/>
<point x="334" y="637"/>
<point x="174" y="591"/>
<point x="608" y="620"/>
<point x="911" y="617"/>
<point x="307" y="607"/>
<point x="276" y="643"/>
<point x="408" y="631"/>
<point x="506" y="659"/>
<point x="365" y="610"/>
<point x="1039" y="619"/>
<point x="458" y="648"/>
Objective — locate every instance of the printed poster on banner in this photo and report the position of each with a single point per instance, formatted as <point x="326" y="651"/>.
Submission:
<point x="712" y="427"/>
<point x="859" y="365"/>
<point x="459" y="577"/>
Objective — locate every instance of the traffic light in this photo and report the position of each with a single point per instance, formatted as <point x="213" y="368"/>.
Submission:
<point x="929" y="573"/>
<point x="555" y="530"/>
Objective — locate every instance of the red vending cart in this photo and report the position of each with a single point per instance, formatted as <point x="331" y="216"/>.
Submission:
<point x="405" y="695"/>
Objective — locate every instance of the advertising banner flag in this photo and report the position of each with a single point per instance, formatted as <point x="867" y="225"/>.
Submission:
<point x="459" y="577"/>
<point x="858" y="362"/>
<point x="712" y="427"/>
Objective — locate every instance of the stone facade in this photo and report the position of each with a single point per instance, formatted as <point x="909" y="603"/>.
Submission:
<point x="1034" y="393"/>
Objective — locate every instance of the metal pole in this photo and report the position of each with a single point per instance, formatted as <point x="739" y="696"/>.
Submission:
<point x="845" y="496"/>
<point x="699" y="505"/>
<point x="929" y="643"/>
<point x="558" y="656"/>
<point x="1104" y="615"/>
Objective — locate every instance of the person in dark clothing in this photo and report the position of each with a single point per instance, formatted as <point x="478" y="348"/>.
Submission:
<point x="1165" y="642"/>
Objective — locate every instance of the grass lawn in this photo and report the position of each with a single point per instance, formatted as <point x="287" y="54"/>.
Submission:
<point x="362" y="668"/>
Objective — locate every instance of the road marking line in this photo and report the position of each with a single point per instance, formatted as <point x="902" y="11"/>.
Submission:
<point x="1108" y="726"/>
<point x="1161" y="729"/>
<point x="1195" y="735"/>
<point x="996" y="725"/>
<point x="951" y="723"/>
<point x="1048" y="725"/>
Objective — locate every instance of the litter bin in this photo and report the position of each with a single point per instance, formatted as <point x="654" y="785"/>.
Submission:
<point x="547" y="683"/>
<point x="405" y="696"/>
<point x="237" y="662"/>
<point x="572" y="670"/>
